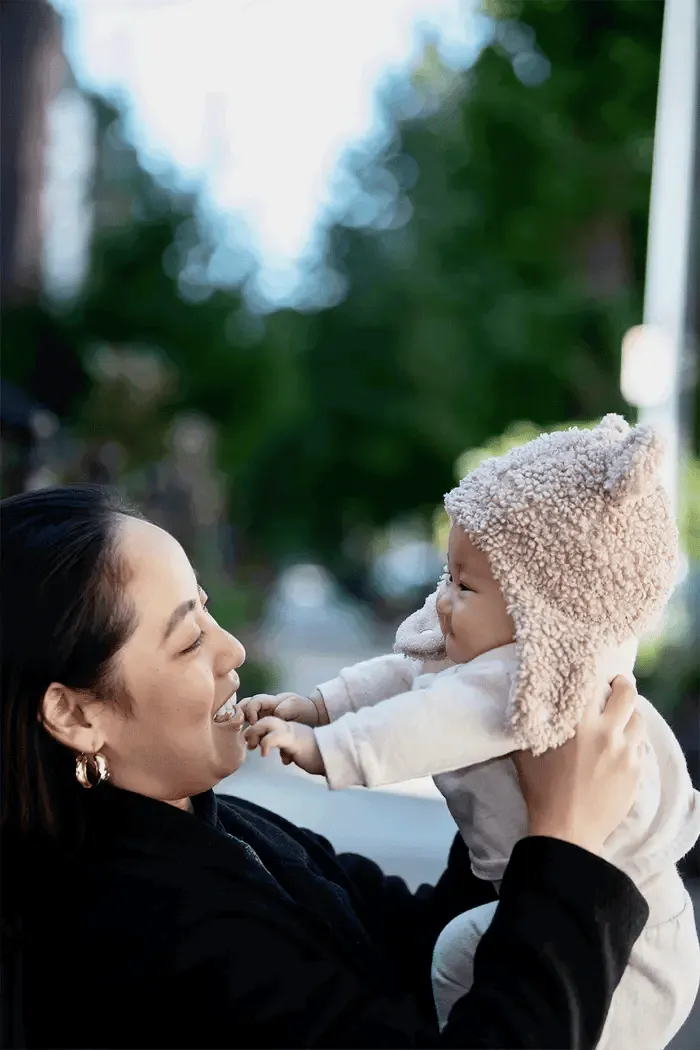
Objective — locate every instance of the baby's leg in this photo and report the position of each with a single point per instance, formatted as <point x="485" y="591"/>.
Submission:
<point x="659" y="986"/>
<point x="453" y="957"/>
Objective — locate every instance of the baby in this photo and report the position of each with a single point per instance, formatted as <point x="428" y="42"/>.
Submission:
<point x="560" y="552"/>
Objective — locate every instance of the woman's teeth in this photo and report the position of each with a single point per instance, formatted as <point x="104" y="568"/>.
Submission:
<point x="227" y="711"/>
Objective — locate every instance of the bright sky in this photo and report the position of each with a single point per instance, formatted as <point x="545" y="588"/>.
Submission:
<point x="258" y="97"/>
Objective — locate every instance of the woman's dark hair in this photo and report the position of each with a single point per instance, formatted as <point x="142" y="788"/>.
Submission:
<point x="64" y="617"/>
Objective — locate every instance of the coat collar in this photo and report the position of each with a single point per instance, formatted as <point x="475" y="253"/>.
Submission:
<point x="247" y="854"/>
<point x="114" y="813"/>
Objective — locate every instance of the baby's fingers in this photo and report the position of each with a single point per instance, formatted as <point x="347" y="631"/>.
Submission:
<point x="276" y="738"/>
<point x="254" y="733"/>
<point x="257" y="706"/>
<point x="267" y="733"/>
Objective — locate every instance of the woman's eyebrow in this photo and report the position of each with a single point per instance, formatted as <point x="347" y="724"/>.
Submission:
<point x="177" y="616"/>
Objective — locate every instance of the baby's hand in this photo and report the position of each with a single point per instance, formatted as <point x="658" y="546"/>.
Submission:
<point x="288" y="706"/>
<point x="296" y="742"/>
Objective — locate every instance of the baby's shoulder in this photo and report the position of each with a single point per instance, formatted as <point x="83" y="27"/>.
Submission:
<point x="495" y="667"/>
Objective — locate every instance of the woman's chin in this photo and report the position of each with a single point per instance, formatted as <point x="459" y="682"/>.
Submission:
<point x="233" y="757"/>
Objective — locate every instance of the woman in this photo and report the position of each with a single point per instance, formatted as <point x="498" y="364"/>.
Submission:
<point x="142" y="911"/>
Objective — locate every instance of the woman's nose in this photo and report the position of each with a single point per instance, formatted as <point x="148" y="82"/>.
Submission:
<point x="232" y="652"/>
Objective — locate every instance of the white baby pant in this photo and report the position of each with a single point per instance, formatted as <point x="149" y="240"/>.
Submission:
<point x="657" y="990"/>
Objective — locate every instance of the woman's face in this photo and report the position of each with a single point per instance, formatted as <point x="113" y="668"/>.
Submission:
<point x="177" y="668"/>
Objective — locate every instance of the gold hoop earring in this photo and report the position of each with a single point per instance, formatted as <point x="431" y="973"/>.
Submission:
<point x="95" y="764"/>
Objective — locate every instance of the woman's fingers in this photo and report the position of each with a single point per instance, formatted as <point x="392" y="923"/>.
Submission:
<point x="620" y="705"/>
<point x="636" y="737"/>
<point x="584" y="789"/>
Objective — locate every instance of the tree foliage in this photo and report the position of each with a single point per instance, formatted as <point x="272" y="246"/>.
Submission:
<point x="493" y="253"/>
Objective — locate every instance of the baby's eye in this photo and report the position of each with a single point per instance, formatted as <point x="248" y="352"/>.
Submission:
<point x="463" y="587"/>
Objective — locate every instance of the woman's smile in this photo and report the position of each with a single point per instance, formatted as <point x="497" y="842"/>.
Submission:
<point x="230" y="715"/>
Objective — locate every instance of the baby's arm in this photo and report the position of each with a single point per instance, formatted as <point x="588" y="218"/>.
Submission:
<point x="368" y="683"/>
<point x="458" y="721"/>
<point x="361" y="685"/>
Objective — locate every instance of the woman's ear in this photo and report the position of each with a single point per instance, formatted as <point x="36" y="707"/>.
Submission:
<point x="68" y="715"/>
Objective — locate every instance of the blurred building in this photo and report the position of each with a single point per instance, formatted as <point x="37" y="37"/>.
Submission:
<point x="46" y="149"/>
<point x="32" y="66"/>
<point x="46" y="158"/>
<point x="67" y="208"/>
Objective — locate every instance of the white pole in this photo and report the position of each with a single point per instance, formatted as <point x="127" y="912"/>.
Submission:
<point x="670" y="219"/>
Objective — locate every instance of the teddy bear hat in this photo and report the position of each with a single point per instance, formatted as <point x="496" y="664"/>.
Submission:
<point x="580" y="536"/>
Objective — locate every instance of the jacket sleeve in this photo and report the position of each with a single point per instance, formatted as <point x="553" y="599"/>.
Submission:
<point x="545" y="972"/>
<point x="546" y="969"/>
<point x="458" y="720"/>
<point x="388" y="908"/>
<point x="367" y="683"/>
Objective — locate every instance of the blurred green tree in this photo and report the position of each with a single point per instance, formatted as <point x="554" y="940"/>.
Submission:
<point x="492" y="251"/>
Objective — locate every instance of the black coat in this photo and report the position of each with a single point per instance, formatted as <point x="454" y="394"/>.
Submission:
<point x="234" y="928"/>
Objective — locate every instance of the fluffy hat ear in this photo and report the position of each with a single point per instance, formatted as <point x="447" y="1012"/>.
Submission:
<point x="614" y="425"/>
<point x="420" y="636"/>
<point x="635" y="464"/>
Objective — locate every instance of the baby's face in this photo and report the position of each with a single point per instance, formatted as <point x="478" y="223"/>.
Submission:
<point x="472" y="612"/>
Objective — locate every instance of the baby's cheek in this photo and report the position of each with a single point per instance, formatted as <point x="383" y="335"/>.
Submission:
<point x="462" y="618"/>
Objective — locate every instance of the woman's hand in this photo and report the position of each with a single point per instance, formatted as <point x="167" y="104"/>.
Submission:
<point x="583" y="790"/>
<point x="296" y="743"/>
<point x="309" y="711"/>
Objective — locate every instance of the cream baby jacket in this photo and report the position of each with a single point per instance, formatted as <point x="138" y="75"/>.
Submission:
<point x="580" y="537"/>
<point x="394" y="718"/>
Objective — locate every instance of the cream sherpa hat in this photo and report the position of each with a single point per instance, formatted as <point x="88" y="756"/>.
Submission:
<point x="579" y="534"/>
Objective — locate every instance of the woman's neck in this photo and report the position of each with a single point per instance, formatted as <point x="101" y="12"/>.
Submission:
<point x="182" y="803"/>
